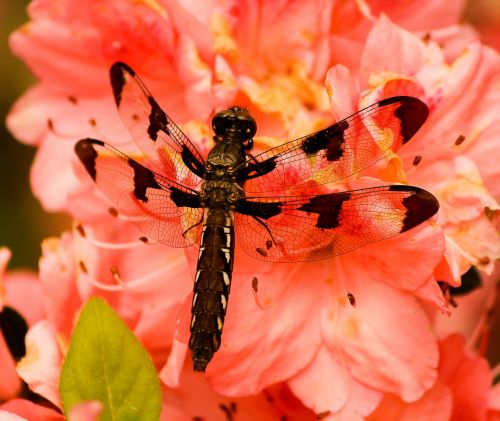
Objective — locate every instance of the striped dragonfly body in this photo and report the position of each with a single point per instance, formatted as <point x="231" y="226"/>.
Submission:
<point x="212" y="285"/>
<point x="219" y="195"/>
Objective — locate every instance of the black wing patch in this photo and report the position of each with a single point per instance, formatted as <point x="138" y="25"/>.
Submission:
<point x="339" y="151"/>
<point x="159" y="138"/>
<point x="162" y="208"/>
<point x="304" y="228"/>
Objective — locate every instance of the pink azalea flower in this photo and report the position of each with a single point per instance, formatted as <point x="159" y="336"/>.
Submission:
<point x="22" y="409"/>
<point x="76" y="267"/>
<point x="40" y="366"/>
<point x="195" y="398"/>
<point x="462" y="390"/>
<point x="9" y="383"/>
<point x="19" y="292"/>
<point x="307" y="336"/>
<point x="196" y="61"/>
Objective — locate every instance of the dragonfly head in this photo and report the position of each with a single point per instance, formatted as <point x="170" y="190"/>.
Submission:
<point x="235" y="120"/>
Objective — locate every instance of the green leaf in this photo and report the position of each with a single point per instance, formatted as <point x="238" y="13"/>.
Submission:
<point x="106" y="362"/>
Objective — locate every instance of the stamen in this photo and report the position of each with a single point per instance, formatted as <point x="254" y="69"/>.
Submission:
<point x="227" y="412"/>
<point x="484" y="260"/>
<point x="116" y="276"/>
<point x="116" y="246"/>
<point x="417" y="160"/>
<point x="113" y="246"/>
<point x="82" y="266"/>
<point x="80" y="230"/>
<point x="255" y="284"/>
<point x="52" y="127"/>
<point x="255" y="290"/>
<point x="460" y="140"/>
<point x="101" y="285"/>
<point x="135" y="284"/>
<point x="352" y="299"/>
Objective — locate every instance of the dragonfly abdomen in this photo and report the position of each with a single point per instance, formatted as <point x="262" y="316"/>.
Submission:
<point x="211" y="286"/>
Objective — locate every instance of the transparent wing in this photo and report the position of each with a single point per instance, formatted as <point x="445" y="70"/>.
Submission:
<point x="303" y="228"/>
<point x="160" y="207"/>
<point x="159" y="138"/>
<point x="339" y="151"/>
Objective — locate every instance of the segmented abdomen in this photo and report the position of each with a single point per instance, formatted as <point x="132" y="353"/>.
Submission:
<point x="211" y="286"/>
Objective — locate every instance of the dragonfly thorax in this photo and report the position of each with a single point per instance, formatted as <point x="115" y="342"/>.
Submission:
<point x="234" y="125"/>
<point x="218" y="194"/>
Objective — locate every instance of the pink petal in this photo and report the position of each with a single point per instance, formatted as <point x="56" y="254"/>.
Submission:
<point x="471" y="311"/>
<point x="261" y="346"/>
<point x="225" y="87"/>
<point x="47" y="184"/>
<point x="170" y="373"/>
<point x="9" y="416"/>
<point x="30" y="411"/>
<point x="478" y="243"/>
<point x="361" y="402"/>
<point x="468" y="377"/>
<point x="5" y="255"/>
<point x="406" y="261"/>
<point x="476" y="73"/>
<point x="41" y="364"/>
<point x="326" y="385"/>
<point x="195" y="398"/>
<point x="10" y="384"/>
<point x="420" y="14"/>
<point x="376" y="338"/>
<point x="431" y="292"/>
<point x="155" y="328"/>
<point x="483" y="151"/>
<point x="460" y="189"/>
<point x="494" y="403"/>
<point x="86" y="411"/>
<point x="402" y="52"/>
<point x="309" y="384"/>
<point x="197" y="77"/>
<point x="435" y="405"/>
<point x="24" y="294"/>
<point x="57" y="276"/>
<point x="58" y="41"/>
<point x="310" y="20"/>
<point x="343" y="91"/>
<point x="453" y="264"/>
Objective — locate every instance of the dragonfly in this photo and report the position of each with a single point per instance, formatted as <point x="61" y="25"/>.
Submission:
<point x="275" y="205"/>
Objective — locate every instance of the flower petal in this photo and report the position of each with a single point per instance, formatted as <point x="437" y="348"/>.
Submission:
<point x="376" y="339"/>
<point x="30" y="411"/>
<point x="41" y="365"/>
